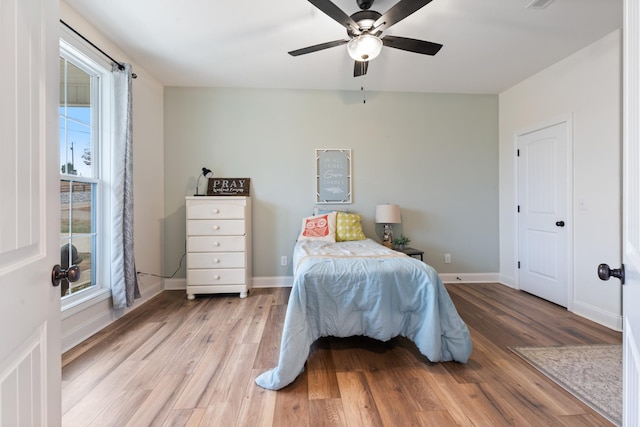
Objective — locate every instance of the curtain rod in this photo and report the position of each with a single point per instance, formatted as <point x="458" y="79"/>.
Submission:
<point x="119" y="64"/>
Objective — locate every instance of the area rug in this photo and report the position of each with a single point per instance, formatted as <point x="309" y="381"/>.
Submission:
<point x="592" y="373"/>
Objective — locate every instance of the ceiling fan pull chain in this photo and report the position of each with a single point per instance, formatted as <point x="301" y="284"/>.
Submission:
<point x="364" y="92"/>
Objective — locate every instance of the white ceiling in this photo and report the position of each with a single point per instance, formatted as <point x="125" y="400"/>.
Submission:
<point x="489" y="45"/>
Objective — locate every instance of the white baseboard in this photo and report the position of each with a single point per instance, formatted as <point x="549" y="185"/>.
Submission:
<point x="605" y="318"/>
<point x="469" y="277"/>
<point x="273" y="282"/>
<point x="93" y="316"/>
<point x="256" y="282"/>
<point x="175" y="284"/>
<point x="508" y="281"/>
<point x="81" y="330"/>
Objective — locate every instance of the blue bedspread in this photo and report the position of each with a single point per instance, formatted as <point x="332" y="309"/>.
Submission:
<point x="379" y="297"/>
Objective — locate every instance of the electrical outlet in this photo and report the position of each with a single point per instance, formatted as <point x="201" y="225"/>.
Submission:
<point x="447" y="258"/>
<point x="283" y="260"/>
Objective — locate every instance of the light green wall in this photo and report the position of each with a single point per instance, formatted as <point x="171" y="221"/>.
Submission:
<point x="436" y="155"/>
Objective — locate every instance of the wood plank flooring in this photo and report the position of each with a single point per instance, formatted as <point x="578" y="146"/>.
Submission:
<point x="174" y="362"/>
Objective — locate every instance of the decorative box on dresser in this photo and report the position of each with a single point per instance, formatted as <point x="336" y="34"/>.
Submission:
<point x="218" y="245"/>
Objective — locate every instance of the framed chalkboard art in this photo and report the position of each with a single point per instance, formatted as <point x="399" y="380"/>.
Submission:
<point x="333" y="175"/>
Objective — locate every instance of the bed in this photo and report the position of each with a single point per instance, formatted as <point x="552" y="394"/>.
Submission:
<point x="360" y="287"/>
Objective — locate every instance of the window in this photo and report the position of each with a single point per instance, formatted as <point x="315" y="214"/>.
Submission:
<point x="85" y="85"/>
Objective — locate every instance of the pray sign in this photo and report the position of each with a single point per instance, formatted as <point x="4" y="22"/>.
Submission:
<point x="228" y="187"/>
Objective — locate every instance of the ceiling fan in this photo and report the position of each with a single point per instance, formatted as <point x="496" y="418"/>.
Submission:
<point x="364" y="29"/>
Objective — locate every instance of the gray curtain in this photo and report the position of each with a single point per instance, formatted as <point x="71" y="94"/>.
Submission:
<point x="124" y="284"/>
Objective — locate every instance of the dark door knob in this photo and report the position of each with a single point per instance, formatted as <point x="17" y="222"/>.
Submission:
<point x="560" y="223"/>
<point x="58" y="273"/>
<point x="604" y="272"/>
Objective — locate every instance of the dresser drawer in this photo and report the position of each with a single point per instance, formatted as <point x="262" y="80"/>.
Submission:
<point x="214" y="227"/>
<point x="214" y="277"/>
<point x="216" y="260"/>
<point x="219" y="210"/>
<point x="216" y="244"/>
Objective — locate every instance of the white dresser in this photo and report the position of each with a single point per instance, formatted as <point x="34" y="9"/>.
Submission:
<point x="218" y="245"/>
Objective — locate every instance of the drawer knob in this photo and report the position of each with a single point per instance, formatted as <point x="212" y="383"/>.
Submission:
<point x="216" y="227"/>
<point x="216" y="260"/>
<point x="215" y="211"/>
<point x="216" y="244"/>
<point x="217" y="277"/>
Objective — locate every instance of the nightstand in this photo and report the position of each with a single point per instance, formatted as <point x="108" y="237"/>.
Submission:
<point x="412" y="252"/>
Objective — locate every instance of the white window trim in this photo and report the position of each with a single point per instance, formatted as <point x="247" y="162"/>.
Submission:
<point x="74" y="48"/>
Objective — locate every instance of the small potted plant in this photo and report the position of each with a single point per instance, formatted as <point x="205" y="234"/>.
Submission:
<point x="400" y="242"/>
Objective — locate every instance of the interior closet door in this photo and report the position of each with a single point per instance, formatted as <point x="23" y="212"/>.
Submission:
<point x="544" y="225"/>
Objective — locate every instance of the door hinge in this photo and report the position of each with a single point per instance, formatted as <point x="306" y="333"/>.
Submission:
<point x="518" y="208"/>
<point x="518" y="153"/>
<point x="518" y="264"/>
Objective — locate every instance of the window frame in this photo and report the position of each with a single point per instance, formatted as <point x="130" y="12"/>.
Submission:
<point x="83" y="56"/>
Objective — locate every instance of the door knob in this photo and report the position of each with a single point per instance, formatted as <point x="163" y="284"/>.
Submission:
<point x="560" y="223"/>
<point x="604" y="272"/>
<point x="72" y="274"/>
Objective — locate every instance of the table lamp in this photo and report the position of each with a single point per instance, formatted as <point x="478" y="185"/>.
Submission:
<point x="388" y="214"/>
<point x="207" y="173"/>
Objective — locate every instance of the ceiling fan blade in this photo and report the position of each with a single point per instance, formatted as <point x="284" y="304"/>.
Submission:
<point x="398" y="12"/>
<point x="317" y="47"/>
<point x="411" y="45"/>
<point x="360" y="68"/>
<point x="335" y="13"/>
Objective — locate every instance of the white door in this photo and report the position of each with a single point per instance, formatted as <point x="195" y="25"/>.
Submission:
<point x="543" y="226"/>
<point x="29" y="214"/>
<point x="631" y="216"/>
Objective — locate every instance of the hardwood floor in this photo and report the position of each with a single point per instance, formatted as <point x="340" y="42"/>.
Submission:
<point x="174" y="362"/>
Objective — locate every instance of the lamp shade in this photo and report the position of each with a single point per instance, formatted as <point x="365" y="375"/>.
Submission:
<point x="207" y="173"/>
<point x="365" y="47"/>
<point x="388" y="214"/>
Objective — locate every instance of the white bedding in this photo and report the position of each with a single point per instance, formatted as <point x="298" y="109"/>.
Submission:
<point x="358" y="248"/>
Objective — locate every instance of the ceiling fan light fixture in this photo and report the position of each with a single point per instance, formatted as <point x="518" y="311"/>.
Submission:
<point x="364" y="47"/>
